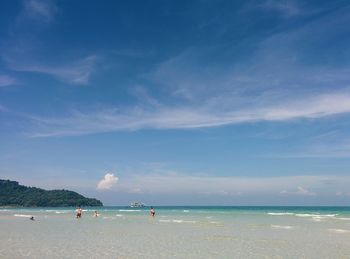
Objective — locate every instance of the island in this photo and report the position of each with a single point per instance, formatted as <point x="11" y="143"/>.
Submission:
<point x="13" y="194"/>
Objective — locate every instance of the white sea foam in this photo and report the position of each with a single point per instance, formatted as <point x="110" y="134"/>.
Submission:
<point x="183" y="221"/>
<point x="164" y="220"/>
<point x="186" y="211"/>
<point x="280" y="213"/>
<point x="177" y="221"/>
<point x="338" y="230"/>
<point x="119" y="215"/>
<point x="23" y="215"/>
<point x="316" y="215"/>
<point x="61" y="212"/>
<point x="343" y="218"/>
<point x="282" y="227"/>
<point x="57" y="211"/>
<point x="129" y="210"/>
<point x="317" y="219"/>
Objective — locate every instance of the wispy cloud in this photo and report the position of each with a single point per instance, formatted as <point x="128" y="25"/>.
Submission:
<point x="273" y="83"/>
<point x="331" y="145"/>
<point x="7" y="80"/>
<point x="287" y="8"/>
<point x="23" y="52"/>
<point x="108" y="181"/>
<point x="3" y="108"/>
<point x="39" y="9"/>
<point x="300" y="191"/>
<point x="342" y="193"/>
<point x="163" y="183"/>
<point x="78" y="72"/>
<point x="190" y="117"/>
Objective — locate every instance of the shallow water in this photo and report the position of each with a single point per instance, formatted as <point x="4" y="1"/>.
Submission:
<point x="180" y="232"/>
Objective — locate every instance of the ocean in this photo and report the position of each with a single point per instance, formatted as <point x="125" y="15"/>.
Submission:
<point x="176" y="232"/>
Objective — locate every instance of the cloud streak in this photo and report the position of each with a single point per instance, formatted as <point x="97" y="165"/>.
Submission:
<point x="300" y="191"/>
<point x="77" y="73"/>
<point x="234" y="185"/>
<point x="40" y="10"/>
<point x="191" y="117"/>
<point x="272" y="83"/>
<point x="7" y="80"/>
<point x="287" y="8"/>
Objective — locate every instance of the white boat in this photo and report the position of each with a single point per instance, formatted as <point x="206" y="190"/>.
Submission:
<point x="137" y="204"/>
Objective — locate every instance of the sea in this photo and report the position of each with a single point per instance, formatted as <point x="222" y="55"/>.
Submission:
<point x="176" y="232"/>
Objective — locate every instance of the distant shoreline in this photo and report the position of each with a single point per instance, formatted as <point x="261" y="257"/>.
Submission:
<point x="24" y="207"/>
<point x="186" y="206"/>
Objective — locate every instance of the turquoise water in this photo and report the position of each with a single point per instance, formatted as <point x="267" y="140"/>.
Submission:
<point x="176" y="232"/>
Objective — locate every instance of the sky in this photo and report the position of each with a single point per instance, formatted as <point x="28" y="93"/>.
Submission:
<point x="178" y="102"/>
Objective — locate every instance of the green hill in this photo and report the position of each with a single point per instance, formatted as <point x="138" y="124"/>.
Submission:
<point x="13" y="194"/>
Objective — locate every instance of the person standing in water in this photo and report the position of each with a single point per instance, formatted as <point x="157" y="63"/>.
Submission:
<point x="152" y="212"/>
<point x="78" y="212"/>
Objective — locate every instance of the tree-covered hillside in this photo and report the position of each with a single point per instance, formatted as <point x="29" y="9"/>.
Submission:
<point x="13" y="194"/>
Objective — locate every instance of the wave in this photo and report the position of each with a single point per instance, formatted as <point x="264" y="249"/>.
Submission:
<point x="343" y="218"/>
<point x="22" y="215"/>
<point x="186" y="211"/>
<point x="61" y="212"/>
<point x="128" y="210"/>
<point x="317" y="219"/>
<point x="316" y="215"/>
<point x="184" y="221"/>
<point x="282" y="227"/>
<point x="57" y="211"/>
<point x="280" y="213"/>
<point x="177" y="221"/>
<point x="164" y="220"/>
<point x="338" y="230"/>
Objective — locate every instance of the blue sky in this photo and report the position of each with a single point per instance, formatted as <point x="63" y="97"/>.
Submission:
<point x="178" y="102"/>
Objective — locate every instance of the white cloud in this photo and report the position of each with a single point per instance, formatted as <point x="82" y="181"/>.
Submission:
<point x="74" y="73"/>
<point x="342" y="193"/>
<point x="136" y="190"/>
<point x="191" y="117"/>
<point x="40" y="9"/>
<point x="271" y="84"/>
<point x="287" y="8"/>
<point x="7" y="80"/>
<point x="300" y="191"/>
<point x="3" y="108"/>
<point x="164" y="183"/>
<point x="107" y="182"/>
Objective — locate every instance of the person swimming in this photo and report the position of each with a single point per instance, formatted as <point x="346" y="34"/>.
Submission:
<point x="96" y="214"/>
<point x="32" y="218"/>
<point x="152" y="212"/>
<point x="78" y="212"/>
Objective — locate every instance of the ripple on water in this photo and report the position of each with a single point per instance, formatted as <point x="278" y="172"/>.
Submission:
<point x="282" y="227"/>
<point x="338" y="230"/>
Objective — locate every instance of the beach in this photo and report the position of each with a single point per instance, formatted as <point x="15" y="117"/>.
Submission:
<point x="176" y="232"/>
